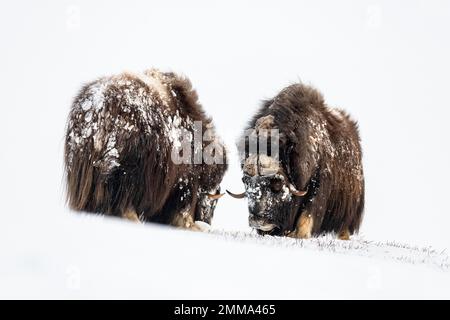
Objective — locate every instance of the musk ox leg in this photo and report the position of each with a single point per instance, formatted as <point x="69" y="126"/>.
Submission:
<point x="344" y="235"/>
<point x="186" y="221"/>
<point x="304" y="227"/>
<point x="130" y="214"/>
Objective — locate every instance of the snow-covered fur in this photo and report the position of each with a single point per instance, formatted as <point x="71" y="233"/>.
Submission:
<point x="120" y="135"/>
<point x="319" y="152"/>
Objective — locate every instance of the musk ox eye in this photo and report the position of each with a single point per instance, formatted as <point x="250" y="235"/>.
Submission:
<point x="276" y="185"/>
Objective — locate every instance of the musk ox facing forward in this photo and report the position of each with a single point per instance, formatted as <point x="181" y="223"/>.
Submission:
<point x="122" y="136"/>
<point x="314" y="184"/>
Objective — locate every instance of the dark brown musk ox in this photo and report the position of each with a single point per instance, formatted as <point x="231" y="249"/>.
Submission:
<point x="123" y="135"/>
<point x="313" y="182"/>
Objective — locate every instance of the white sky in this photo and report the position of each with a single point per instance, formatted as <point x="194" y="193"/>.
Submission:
<point x="385" y="62"/>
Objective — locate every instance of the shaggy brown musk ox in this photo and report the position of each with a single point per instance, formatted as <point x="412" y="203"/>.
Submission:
<point x="319" y="154"/>
<point x="121" y="133"/>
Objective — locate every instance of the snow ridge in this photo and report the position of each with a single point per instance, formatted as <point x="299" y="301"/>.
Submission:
<point x="357" y="246"/>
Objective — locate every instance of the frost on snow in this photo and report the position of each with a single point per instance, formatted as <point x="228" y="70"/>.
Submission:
<point x="357" y="246"/>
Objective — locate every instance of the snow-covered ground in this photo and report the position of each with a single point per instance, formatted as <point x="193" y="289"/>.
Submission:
<point x="385" y="62"/>
<point x="358" y="246"/>
<point x="81" y="256"/>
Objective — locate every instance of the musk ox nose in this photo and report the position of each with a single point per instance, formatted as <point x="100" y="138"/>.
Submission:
<point x="255" y="220"/>
<point x="260" y="222"/>
<point x="259" y="218"/>
<point x="256" y="210"/>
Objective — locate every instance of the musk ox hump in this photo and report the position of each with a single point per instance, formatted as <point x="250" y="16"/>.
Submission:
<point x="265" y="123"/>
<point x="336" y="113"/>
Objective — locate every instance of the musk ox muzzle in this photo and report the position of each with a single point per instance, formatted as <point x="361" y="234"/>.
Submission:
<point x="267" y="196"/>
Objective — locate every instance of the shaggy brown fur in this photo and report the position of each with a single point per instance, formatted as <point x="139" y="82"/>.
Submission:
<point x="319" y="152"/>
<point x="120" y="135"/>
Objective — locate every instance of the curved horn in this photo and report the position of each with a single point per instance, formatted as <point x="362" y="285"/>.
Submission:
<point x="293" y="189"/>
<point x="237" y="196"/>
<point x="296" y="192"/>
<point x="215" y="196"/>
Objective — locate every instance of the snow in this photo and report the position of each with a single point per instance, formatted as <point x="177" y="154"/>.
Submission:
<point x="85" y="256"/>
<point x="175" y="129"/>
<point x="111" y="157"/>
<point x="319" y="136"/>
<point x="358" y="246"/>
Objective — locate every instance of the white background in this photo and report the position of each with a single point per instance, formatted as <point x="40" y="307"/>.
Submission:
<point x="385" y="62"/>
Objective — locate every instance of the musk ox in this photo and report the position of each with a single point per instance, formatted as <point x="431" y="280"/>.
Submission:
<point x="122" y="136"/>
<point x="313" y="182"/>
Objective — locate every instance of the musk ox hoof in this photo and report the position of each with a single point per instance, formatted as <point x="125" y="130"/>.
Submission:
<point x="131" y="215"/>
<point x="304" y="227"/>
<point x="298" y="235"/>
<point x="344" y="235"/>
<point x="185" y="221"/>
<point x="201" y="226"/>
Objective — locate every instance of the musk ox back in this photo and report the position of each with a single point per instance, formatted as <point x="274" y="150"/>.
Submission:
<point x="123" y="135"/>
<point x="311" y="180"/>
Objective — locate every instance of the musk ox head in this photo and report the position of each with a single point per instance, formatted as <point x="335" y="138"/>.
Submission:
<point x="272" y="199"/>
<point x="206" y="204"/>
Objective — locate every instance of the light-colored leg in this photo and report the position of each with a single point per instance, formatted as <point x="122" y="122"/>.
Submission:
<point x="344" y="235"/>
<point x="304" y="227"/>
<point x="184" y="220"/>
<point x="130" y="214"/>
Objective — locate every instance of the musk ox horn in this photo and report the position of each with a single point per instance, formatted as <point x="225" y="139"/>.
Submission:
<point x="215" y="196"/>
<point x="293" y="189"/>
<point x="296" y="192"/>
<point x="237" y="196"/>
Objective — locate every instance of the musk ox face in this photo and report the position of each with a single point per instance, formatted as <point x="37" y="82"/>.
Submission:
<point x="206" y="205"/>
<point x="272" y="199"/>
<point x="269" y="202"/>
